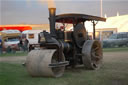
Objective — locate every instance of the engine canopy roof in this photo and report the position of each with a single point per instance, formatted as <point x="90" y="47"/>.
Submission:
<point x="76" y="18"/>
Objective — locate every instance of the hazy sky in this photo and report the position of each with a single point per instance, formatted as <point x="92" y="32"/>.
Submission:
<point x="21" y="11"/>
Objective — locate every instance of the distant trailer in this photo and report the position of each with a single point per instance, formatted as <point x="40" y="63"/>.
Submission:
<point x="33" y="37"/>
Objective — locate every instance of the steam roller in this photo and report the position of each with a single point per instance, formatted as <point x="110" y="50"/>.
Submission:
<point x="62" y="48"/>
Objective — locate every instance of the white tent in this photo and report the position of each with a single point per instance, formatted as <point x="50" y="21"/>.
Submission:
<point x="118" y="22"/>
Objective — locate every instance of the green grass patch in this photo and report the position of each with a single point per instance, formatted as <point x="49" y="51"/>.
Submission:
<point x="14" y="54"/>
<point x="115" y="49"/>
<point x="112" y="73"/>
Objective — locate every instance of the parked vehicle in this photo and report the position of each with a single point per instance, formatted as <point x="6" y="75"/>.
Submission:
<point x="116" y="40"/>
<point x="11" y="39"/>
<point x="11" y="43"/>
<point x="33" y="37"/>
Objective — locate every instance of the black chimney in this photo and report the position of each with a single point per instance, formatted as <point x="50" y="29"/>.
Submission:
<point x="52" y="20"/>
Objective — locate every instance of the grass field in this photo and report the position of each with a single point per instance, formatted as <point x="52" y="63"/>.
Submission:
<point x="113" y="72"/>
<point x="14" y="54"/>
<point x="115" y="49"/>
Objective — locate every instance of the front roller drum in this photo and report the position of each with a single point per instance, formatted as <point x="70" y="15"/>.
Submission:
<point x="92" y="54"/>
<point x="38" y="62"/>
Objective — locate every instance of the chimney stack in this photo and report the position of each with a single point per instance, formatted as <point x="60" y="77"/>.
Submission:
<point x="52" y="20"/>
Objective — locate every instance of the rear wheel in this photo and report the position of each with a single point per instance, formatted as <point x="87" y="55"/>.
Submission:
<point x="92" y="54"/>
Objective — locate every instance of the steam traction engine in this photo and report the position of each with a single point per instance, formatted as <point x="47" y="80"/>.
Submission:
<point x="60" y="48"/>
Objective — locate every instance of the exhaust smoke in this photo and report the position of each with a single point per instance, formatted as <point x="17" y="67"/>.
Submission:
<point x="51" y="3"/>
